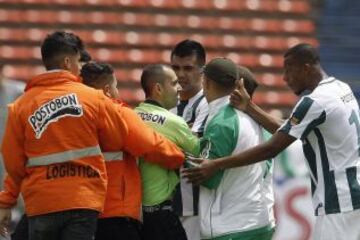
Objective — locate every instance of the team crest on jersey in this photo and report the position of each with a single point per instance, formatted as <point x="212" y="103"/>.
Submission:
<point x="52" y="111"/>
<point x="294" y="121"/>
<point x="205" y="152"/>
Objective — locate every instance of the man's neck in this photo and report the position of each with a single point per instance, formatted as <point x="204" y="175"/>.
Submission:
<point x="189" y="94"/>
<point x="317" y="79"/>
<point x="217" y="96"/>
<point x="153" y="102"/>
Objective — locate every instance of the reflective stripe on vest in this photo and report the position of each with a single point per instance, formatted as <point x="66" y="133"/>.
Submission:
<point x="62" y="157"/>
<point x="113" y="156"/>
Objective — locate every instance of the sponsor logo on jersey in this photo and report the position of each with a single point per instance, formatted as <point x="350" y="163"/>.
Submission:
<point x="52" y="111"/>
<point x="348" y="97"/>
<point x="155" y="118"/>
<point x="294" y="121"/>
<point x="206" y="147"/>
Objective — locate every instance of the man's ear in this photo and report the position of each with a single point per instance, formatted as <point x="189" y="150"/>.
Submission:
<point x="308" y="68"/>
<point x="106" y="90"/>
<point x="66" y="62"/>
<point x="158" y="88"/>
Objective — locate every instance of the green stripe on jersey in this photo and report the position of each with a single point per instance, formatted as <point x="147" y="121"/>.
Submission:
<point x="351" y="174"/>
<point x="311" y="159"/>
<point x="313" y="124"/>
<point x="263" y="233"/>
<point x="298" y="114"/>
<point x="219" y="140"/>
<point x="331" y="197"/>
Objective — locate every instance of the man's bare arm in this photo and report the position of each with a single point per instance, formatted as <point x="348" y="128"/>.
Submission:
<point x="207" y="168"/>
<point x="241" y="100"/>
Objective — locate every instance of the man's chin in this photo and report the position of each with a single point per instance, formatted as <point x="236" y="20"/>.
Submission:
<point x="182" y="91"/>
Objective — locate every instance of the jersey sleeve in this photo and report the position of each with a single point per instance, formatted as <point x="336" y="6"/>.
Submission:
<point x="218" y="141"/>
<point x="122" y="129"/>
<point x="306" y="116"/>
<point x="201" y="115"/>
<point x="185" y="139"/>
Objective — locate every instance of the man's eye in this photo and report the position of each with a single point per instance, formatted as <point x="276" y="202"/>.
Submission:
<point x="188" y="68"/>
<point x="175" y="68"/>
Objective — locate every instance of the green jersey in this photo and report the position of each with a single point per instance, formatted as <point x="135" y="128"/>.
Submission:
<point x="159" y="183"/>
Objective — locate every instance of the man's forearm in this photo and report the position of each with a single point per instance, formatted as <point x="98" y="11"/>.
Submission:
<point x="251" y="156"/>
<point x="269" y="122"/>
<point x="265" y="151"/>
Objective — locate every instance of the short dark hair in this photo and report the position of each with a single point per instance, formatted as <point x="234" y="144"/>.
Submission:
<point x="152" y="74"/>
<point x="223" y="71"/>
<point x="85" y="56"/>
<point x="93" y="74"/>
<point x="58" y="44"/>
<point x="188" y="48"/>
<point x="303" y="53"/>
<point x="250" y="82"/>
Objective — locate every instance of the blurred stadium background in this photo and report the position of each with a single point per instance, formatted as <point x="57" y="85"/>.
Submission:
<point x="255" y="33"/>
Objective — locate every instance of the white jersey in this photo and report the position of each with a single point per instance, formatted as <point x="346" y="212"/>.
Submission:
<point x="327" y="122"/>
<point x="237" y="202"/>
<point x="194" y="111"/>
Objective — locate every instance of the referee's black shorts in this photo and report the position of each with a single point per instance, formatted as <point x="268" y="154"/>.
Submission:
<point x="118" y="228"/>
<point x="161" y="223"/>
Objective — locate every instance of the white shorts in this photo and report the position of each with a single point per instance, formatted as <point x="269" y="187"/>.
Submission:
<point x="339" y="226"/>
<point x="191" y="225"/>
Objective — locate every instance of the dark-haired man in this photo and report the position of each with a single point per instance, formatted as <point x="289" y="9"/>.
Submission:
<point x="327" y="122"/>
<point x="161" y="87"/>
<point x="85" y="57"/>
<point x="187" y="59"/>
<point x="21" y="231"/>
<point x="55" y="137"/>
<point x="120" y="218"/>
<point x="100" y="76"/>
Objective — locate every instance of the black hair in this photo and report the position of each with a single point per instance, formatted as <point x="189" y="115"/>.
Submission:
<point x="94" y="74"/>
<point x="303" y="53"/>
<point x="58" y="44"/>
<point x="223" y="72"/>
<point x="187" y="48"/>
<point x="152" y="74"/>
<point x="85" y="57"/>
<point x="250" y="82"/>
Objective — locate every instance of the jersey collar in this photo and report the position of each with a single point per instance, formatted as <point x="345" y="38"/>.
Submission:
<point x="327" y="80"/>
<point x="216" y="105"/>
<point x="153" y="102"/>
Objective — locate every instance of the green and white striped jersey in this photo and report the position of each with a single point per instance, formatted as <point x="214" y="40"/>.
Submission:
<point x="327" y="122"/>
<point x="236" y="202"/>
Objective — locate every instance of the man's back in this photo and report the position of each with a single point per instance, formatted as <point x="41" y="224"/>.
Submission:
<point x="236" y="192"/>
<point x="50" y="116"/>
<point x="59" y="129"/>
<point x="159" y="183"/>
<point x="327" y="121"/>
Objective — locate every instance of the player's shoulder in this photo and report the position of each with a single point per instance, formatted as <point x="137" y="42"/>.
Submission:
<point x="175" y="119"/>
<point x="227" y="117"/>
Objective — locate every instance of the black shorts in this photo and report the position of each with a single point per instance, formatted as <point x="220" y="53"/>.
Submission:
<point x="161" y="223"/>
<point x="118" y="228"/>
